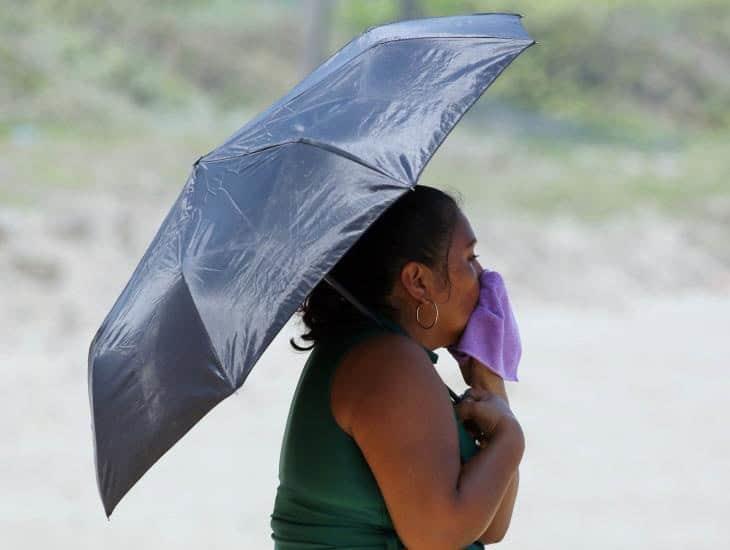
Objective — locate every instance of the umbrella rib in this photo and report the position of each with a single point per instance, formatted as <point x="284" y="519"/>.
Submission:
<point x="349" y="156"/>
<point x="318" y="144"/>
<point x="207" y="334"/>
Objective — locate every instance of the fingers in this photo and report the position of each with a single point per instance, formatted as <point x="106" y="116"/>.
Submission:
<point x="469" y="399"/>
<point x="476" y="394"/>
<point x="465" y="409"/>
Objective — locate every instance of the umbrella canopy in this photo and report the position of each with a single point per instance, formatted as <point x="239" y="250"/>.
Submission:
<point x="264" y="217"/>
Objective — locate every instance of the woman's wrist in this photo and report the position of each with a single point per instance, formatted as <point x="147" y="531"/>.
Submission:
<point x="483" y="378"/>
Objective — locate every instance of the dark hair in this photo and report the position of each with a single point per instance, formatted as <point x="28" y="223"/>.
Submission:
<point x="418" y="226"/>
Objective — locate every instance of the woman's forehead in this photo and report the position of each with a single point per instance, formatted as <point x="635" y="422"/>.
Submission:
<point x="463" y="234"/>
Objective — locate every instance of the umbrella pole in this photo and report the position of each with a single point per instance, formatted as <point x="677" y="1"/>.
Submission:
<point x="350" y="298"/>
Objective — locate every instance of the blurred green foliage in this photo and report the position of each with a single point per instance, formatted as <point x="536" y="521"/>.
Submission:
<point x="635" y="65"/>
<point x="606" y="80"/>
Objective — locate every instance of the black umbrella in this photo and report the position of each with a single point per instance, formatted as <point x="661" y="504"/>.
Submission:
<point x="264" y="217"/>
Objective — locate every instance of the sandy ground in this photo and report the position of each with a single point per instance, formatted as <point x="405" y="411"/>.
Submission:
<point x="624" y="371"/>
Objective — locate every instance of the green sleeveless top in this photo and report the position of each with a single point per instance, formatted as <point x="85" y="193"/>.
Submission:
<point x="327" y="496"/>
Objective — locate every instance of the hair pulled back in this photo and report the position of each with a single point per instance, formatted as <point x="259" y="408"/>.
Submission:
<point x="418" y="226"/>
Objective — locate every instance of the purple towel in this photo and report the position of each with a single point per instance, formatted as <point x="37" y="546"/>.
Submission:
<point x="491" y="335"/>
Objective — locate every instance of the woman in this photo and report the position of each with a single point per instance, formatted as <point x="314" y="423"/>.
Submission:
<point x="375" y="455"/>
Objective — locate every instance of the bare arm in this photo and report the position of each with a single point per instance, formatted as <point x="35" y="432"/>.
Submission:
<point x="481" y="377"/>
<point x="402" y="420"/>
<point x="498" y="528"/>
<point x="499" y="498"/>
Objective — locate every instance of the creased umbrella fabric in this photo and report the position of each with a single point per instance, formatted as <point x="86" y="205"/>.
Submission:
<point x="264" y="217"/>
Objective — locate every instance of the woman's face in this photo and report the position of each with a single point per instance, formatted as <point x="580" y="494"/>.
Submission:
<point x="457" y="303"/>
<point x="418" y="284"/>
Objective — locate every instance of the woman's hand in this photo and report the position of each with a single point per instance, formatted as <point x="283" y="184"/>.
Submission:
<point x="483" y="409"/>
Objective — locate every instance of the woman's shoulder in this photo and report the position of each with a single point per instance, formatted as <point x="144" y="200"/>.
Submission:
<point x="378" y="367"/>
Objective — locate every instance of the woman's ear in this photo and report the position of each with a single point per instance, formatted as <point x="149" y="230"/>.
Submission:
<point x="416" y="280"/>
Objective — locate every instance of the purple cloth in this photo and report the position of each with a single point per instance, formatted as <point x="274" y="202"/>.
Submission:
<point x="491" y="335"/>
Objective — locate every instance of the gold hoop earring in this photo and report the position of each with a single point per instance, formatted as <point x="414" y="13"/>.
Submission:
<point x="418" y="310"/>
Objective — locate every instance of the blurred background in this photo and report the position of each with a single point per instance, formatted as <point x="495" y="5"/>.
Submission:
<point x="595" y="172"/>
